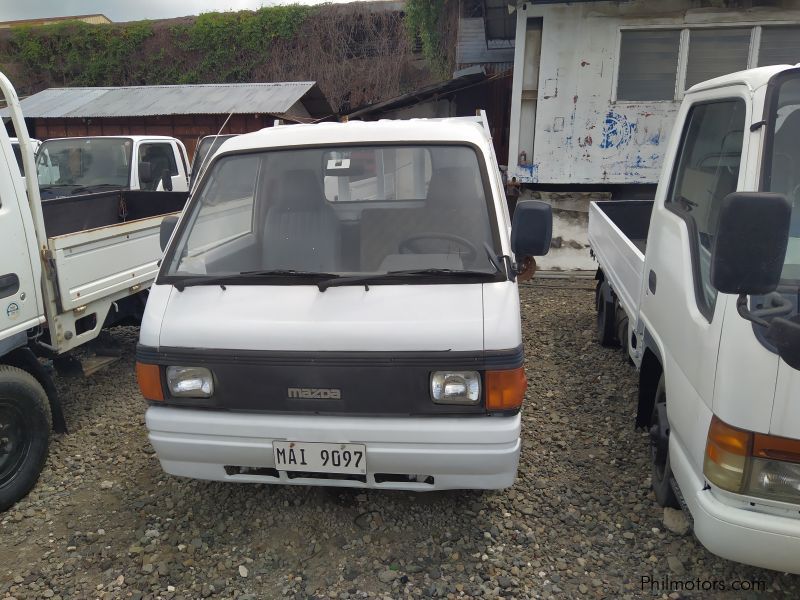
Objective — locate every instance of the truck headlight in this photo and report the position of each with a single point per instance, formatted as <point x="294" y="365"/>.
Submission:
<point x="774" y="479"/>
<point x="456" y="387"/>
<point x="190" y="382"/>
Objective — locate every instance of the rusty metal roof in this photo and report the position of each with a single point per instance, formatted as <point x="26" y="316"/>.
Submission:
<point x="152" y="100"/>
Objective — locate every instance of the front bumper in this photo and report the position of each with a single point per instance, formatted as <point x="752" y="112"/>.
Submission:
<point x="747" y="536"/>
<point x="410" y="453"/>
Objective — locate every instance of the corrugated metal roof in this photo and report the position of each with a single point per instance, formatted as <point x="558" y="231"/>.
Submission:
<point x="465" y="78"/>
<point x="152" y="100"/>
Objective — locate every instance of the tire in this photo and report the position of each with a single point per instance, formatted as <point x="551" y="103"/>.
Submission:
<point x="606" y="321"/>
<point x="623" y="335"/>
<point x="661" y="473"/>
<point x="598" y="293"/>
<point x="24" y="433"/>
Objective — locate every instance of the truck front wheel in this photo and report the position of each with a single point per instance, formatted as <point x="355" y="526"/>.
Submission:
<point x="659" y="450"/>
<point x="24" y="433"/>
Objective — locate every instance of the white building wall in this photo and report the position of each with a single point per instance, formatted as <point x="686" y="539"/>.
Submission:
<point x="582" y="135"/>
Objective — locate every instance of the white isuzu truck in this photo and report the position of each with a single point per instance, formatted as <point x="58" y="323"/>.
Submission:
<point x="68" y="267"/>
<point x="338" y="306"/>
<point x="701" y="288"/>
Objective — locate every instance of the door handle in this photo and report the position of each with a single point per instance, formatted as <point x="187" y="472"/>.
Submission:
<point x="651" y="281"/>
<point x="9" y="284"/>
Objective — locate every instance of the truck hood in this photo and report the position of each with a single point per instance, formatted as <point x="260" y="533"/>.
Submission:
<point x="786" y="408"/>
<point x="301" y="318"/>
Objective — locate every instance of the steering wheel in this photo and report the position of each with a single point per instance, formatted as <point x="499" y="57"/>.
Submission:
<point x="470" y="250"/>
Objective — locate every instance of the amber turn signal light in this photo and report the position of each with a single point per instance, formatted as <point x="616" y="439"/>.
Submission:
<point x="776" y="448"/>
<point x="505" y="390"/>
<point x="149" y="377"/>
<point x="727" y="449"/>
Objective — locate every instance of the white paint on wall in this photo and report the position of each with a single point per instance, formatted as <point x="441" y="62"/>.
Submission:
<point x="582" y="135"/>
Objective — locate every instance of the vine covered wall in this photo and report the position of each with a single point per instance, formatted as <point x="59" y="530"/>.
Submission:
<point x="356" y="52"/>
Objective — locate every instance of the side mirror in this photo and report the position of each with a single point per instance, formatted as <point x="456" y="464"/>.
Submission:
<point x="750" y="243"/>
<point x="145" y="174"/>
<point x="532" y="228"/>
<point x="166" y="180"/>
<point x="785" y="334"/>
<point x="167" y="227"/>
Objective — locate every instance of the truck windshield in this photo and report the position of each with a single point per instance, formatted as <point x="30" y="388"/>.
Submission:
<point x="339" y="211"/>
<point x="782" y="170"/>
<point x="84" y="162"/>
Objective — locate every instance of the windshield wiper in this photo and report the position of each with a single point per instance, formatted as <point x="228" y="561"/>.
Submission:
<point x="372" y="277"/>
<point x="220" y="280"/>
<point x="96" y="187"/>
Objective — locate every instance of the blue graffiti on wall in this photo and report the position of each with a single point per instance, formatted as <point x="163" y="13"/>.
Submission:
<point x="617" y="130"/>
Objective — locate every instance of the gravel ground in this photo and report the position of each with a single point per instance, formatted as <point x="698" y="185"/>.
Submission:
<point x="105" y="522"/>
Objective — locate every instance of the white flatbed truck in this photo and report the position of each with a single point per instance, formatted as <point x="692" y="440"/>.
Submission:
<point x="701" y="288"/>
<point x="68" y="267"/>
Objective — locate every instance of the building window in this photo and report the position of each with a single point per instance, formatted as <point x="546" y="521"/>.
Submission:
<point x="500" y="24"/>
<point x="715" y="52"/>
<point x="648" y="64"/>
<point x="650" y="67"/>
<point x="779" y="46"/>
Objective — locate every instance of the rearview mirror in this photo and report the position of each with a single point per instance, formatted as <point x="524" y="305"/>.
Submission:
<point x="532" y="228"/>
<point x="167" y="227"/>
<point x="145" y="174"/>
<point x="785" y="334"/>
<point x="750" y="243"/>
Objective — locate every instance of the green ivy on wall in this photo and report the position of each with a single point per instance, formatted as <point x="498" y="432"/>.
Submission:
<point x="227" y="47"/>
<point x="423" y="20"/>
<point x="77" y="53"/>
<point x="214" y="48"/>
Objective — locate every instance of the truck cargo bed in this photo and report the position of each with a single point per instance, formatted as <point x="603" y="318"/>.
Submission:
<point x="618" y="236"/>
<point x="71" y="214"/>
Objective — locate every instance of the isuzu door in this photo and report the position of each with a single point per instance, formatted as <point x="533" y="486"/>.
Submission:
<point x="678" y="299"/>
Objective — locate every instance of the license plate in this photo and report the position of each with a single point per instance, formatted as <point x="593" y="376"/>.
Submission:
<point x="317" y="457"/>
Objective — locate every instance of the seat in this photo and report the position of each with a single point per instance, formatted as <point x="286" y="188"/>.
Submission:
<point x="301" y="230"/>
<point x="102" y="169"/>
<point x="449" y="190"/>
<point x="159" y="162"/>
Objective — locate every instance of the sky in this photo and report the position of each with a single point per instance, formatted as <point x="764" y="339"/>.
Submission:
<point x="127" y="10"/>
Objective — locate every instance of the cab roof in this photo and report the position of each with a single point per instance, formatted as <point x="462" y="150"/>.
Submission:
<point x="458" y="130"/>
<point x="752" y="78"/>
<point x="135" y="138"/>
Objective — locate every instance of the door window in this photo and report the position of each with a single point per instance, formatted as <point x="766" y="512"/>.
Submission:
<point x="707" y="171"/>
<point x="161" y="158"/>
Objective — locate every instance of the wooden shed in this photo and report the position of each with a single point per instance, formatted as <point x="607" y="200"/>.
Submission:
<point x="186" y="112"/>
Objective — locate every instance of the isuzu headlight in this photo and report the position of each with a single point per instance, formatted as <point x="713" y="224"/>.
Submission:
<point x="774" y="479"/>
<point x="456" y="387"/>
<point x="190" y="382"/>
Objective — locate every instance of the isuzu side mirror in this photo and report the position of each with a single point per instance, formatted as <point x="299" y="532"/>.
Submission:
<point x="532" y="228"/>
<point x="167" y="227"/>
<point x="750" y="243"/>
<point x="747" y="258"/>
